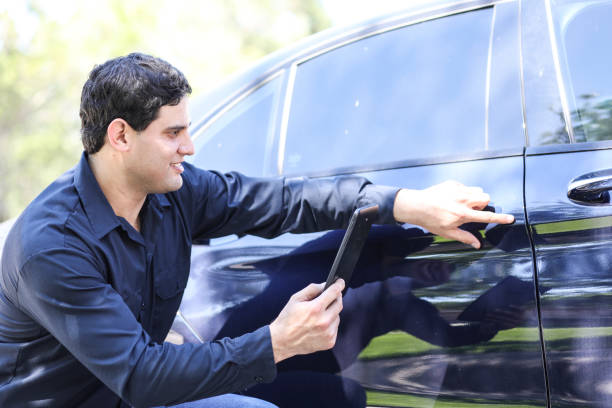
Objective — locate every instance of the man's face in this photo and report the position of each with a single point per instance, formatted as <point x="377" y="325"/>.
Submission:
<point x="154" y="162"/>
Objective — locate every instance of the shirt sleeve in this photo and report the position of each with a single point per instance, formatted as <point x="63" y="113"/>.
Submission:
<point x="63" y="290"/>
<point x="232" y="203"/>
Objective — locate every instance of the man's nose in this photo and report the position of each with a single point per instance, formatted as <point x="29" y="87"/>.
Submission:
<point x="186" y="148"/>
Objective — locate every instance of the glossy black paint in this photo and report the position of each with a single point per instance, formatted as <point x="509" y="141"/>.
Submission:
<point x="574" y="265"/>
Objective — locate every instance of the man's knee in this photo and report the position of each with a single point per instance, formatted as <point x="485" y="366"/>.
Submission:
<point x="227" y="401"/>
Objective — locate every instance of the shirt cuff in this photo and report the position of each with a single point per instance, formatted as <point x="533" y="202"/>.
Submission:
<point x="384" y="196"/>
<point x="256" y="357"/>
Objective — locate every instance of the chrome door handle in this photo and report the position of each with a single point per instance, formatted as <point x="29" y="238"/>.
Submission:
<point x="592" y="188"/>
<point x="223" y="240"/>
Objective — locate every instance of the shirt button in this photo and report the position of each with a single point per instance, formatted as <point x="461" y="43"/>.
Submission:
<point x="258" y="379"/>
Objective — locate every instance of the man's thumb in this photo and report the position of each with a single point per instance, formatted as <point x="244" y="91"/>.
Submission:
<point x="310" y="292"/>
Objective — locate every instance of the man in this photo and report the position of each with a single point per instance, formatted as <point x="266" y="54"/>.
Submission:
<point x="94" y="269"/>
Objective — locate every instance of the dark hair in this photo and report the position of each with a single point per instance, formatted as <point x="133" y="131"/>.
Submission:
<point x="132" y="88"/>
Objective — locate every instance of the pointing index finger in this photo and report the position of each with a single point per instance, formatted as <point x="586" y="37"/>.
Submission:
<point x="489" y="217"/>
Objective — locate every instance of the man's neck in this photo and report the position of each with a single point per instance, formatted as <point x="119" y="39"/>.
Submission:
<point x="125" y="201"/>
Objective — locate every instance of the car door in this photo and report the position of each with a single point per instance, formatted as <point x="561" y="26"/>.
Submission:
<point x="568" y="100"/>
<point x="434" y="100"/>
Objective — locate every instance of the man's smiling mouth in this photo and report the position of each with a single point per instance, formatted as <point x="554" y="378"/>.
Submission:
<point x="177" y="166"/>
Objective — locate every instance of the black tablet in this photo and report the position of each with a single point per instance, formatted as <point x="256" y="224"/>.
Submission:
<point x="351" y="245"/>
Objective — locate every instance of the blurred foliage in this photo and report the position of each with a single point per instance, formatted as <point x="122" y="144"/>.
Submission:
<point x="591" y="121"/>
<point x="47" y="50"/>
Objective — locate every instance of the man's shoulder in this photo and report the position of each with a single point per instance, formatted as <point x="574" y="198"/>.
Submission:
<point x="41" y="227"/>
<point x="43" y="224"/>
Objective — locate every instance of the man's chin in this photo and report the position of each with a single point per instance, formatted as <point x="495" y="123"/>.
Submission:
<point x="175" y="185"/>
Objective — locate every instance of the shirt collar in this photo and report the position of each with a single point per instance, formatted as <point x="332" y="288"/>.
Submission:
<point x="96" y="206"/>
<point x="159" y="200"/>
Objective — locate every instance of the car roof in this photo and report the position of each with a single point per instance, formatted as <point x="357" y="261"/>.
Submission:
<point x="209" y="104"/>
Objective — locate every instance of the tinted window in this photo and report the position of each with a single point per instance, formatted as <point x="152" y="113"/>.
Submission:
<point x="414" y="92"/>
<point x="586" y="33"/>
<point x="240" y="138"/>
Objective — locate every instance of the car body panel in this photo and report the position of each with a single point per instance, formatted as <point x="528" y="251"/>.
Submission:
<point x="574" y="274"/>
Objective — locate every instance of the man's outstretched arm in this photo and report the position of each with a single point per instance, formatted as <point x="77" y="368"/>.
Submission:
<point x="233" y="204"/>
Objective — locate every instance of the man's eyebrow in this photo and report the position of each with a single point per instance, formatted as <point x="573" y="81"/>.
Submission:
<point x="176" y="127"/>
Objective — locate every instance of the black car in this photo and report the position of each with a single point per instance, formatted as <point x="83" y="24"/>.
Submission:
<point x="513" y="96"/>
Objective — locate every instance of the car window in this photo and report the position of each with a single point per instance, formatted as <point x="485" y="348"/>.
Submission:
<point x="584" y="36"/>
<point x="414" y="92"/>
<point x="240" y="138"/>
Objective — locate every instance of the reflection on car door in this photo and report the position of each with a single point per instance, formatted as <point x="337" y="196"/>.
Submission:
<point x="444" y="354"/>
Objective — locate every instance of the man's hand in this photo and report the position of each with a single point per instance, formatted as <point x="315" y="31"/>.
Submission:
<point x="442" y="208"/>
<point x="308" y="323"/>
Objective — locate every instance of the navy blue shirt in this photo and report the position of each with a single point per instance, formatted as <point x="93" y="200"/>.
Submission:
<point x="86" y="300"/>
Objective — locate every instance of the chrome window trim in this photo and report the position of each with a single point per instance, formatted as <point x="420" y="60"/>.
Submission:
<point x="285" y="118"/>
<point x="568" y="148"/>
<point x="488" y="79"/>
<point x="236" y="101"/>
<point x="557" y="63"/>
<point x="401" y="164"/>
<point x="522" y="70"/>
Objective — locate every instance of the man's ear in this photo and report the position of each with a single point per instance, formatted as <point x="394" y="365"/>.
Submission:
<point x="117" y="133"/>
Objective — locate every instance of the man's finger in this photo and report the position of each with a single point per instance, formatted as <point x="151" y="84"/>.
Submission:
<point x="330" y="294"/>
<point x="479" y="206"/>
<point x="488" y="217"/>
<point x="335" y="307"/>
<point x="477" y="199"/>
<point x="463" y="236"/>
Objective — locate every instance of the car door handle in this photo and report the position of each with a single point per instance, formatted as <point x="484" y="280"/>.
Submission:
<point x="592" y="188"/>
<point x="223" y="240"/>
